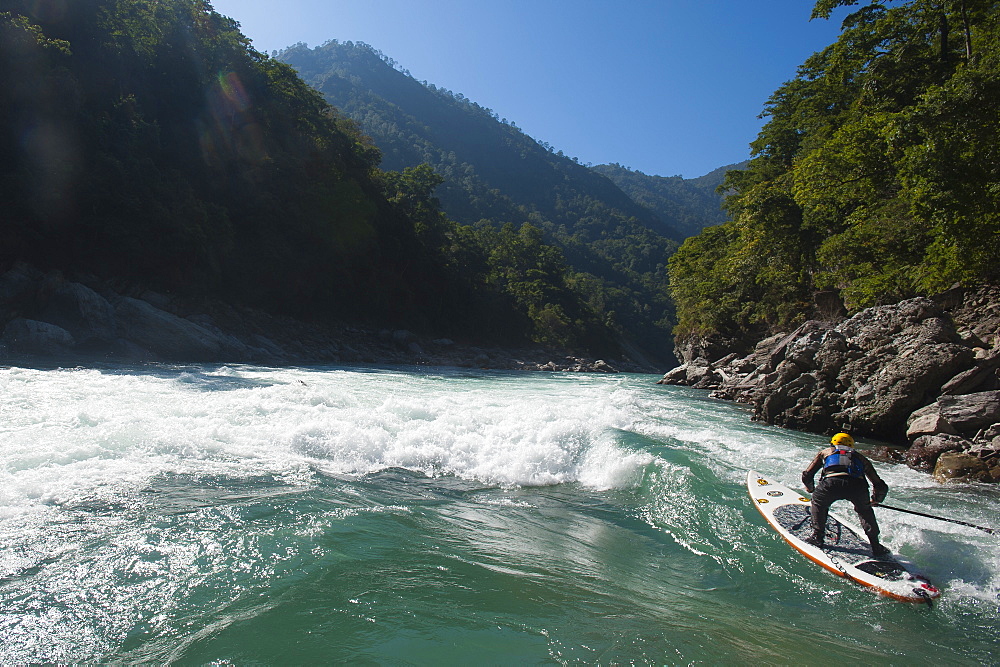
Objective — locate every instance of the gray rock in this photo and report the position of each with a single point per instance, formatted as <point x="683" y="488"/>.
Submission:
<point x="832" y="354"/>
<point x="978" y="311"/>
<point x="925" y="450"/>
<point x="871" y="327"/>
<point x="886" y="454"/>
<point x="706" y="378"/>
<point x="725" y="361"/>
<point x="970" y="412"/>
<point x="803" y="349"/>
<point x="22" y="336"/>
<point x="676" y="375"/>
<point x="896" y="385"/>
<point x="87" y="315"/>
<point x="971" y="339"/>
<point x="697" y="374"/>
<point x="929" y="424"/>
<point x="990" y="449"/>
<point x="763" y="350"/>
<point x="871" y="371"/>
<point x="163" y="333"/>
<point x="963" y="467"/>
<point x="981" y="377"/>
<point x="267" y="348"/>
<point x="601" y="366"/>
<point x="920" y="369"/>
<point x="231" y="347"/>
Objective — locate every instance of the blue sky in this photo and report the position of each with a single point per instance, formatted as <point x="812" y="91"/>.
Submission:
<point x="667" y="87"/>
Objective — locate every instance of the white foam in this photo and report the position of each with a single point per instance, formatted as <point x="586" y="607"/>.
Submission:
<point x="79" y="433"/>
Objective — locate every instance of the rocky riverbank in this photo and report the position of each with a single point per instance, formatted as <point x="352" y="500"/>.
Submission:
<point x="922" y="374"/>
<point x="44" y="316"/>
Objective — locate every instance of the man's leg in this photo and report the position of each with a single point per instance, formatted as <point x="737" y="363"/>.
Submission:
<point x="866" y="513"/>
<point x="819" y="509"/>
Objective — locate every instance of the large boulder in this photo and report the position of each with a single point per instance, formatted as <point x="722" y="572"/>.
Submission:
<point x="983" y="376"/>
<point x="803" y="348"/>
<point x="870" y="371"/>
<point x="87" y="315"/>
<point x="965" y="414"/>
<point x="231" y="348"/>
<point x="964" y="467"/>
<point x="163" y="333"/>
<point x="711" y="348"/>
<point x="872" y="327"/>
<point x="23" y="336"/>
<point x="890" y="382"/>
<point x="676" y="375"/>
<point x="697" y="373"/>
<point x="971" y="412"/>
<point x="788" y="397"/>
<point x="925" y="450"/>
<point x="928" y="424"/>
<point x="977" y="312"/>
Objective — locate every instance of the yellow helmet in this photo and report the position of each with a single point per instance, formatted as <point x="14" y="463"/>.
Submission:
<point x="842" y="440"/>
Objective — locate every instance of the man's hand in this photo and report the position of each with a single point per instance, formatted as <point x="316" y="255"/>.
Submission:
<point x="875" y="501"/>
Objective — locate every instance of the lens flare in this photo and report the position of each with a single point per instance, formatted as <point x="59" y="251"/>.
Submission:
<point x="232" y="130"/>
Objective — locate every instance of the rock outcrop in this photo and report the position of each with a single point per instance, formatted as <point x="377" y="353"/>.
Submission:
<point x="45" y="316"/>
<point x="922" y="372"/>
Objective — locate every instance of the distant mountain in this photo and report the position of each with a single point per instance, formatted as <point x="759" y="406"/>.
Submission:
<point x="492" y="169"/>
<point x="616" y="244"/>
<point x="685" y="204"/>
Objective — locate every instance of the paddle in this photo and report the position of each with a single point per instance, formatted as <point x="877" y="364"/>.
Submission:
<point x="939" y="518"/>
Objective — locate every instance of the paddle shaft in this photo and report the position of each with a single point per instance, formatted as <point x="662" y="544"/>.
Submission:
<point x="939" y="518"/>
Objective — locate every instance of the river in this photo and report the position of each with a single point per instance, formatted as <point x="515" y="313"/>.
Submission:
<point x="316" y="515"/>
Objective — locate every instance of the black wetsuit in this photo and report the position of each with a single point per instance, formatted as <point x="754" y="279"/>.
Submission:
<point x="839" y="482"/>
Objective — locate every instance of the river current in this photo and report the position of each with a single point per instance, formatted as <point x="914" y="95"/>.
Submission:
<point x="316" y="515"/>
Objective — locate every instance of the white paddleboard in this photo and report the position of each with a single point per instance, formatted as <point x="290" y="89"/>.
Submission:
<point x="845" y="552"/>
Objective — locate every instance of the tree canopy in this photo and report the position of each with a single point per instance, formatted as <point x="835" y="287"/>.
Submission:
<point x="147" y="143"/>
<point x="615" y="246"/>
<point x="876" y="175"/>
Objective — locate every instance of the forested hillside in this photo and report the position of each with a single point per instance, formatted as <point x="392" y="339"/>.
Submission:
<point x="876" y="177"/>
<point x="145" y="142"/>
<point x="494" y="174"/>
<point x="686" y="204"/>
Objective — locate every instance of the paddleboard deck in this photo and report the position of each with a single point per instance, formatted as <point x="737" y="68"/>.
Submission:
<point x="845" y="551"/>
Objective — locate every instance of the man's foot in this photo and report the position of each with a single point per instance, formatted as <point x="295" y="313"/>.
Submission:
<point x="878" y="550"/>
<point x="815" y="541"/>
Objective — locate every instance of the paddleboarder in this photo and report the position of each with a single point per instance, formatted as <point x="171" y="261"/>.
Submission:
<point x="845" y="476"/>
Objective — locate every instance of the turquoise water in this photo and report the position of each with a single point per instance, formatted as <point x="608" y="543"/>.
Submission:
<point x="249" y="515"/>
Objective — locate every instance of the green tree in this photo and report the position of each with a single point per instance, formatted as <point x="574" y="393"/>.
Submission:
<point x="876" y="173"/>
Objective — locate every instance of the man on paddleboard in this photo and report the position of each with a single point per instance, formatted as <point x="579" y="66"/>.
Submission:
<point x="845" y="477"/>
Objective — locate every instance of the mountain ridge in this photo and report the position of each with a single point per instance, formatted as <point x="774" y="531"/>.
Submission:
<point x="495" y="174"/>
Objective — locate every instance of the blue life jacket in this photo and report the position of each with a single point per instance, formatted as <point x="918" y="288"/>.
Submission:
<point x="843" y="461"/>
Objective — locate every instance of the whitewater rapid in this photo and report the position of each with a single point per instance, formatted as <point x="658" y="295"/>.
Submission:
<point x="160" y="512"/>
